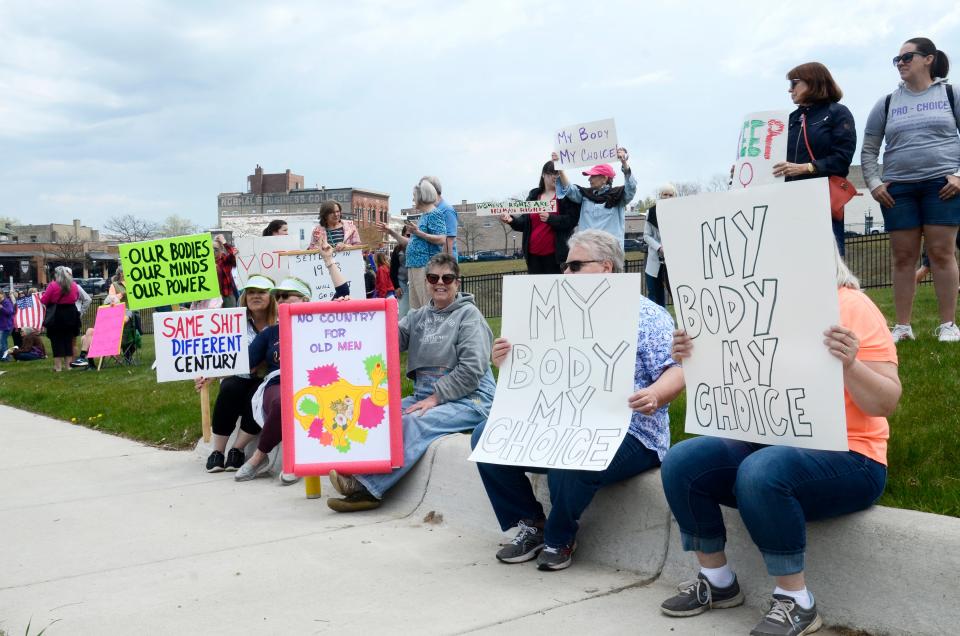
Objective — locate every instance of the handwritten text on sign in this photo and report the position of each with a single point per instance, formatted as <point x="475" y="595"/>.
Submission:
<point x="586" y="144"/>
<point x="311" y="269"/>
<point x="206" y="343"/>
<point x="169" y="271"/>
<point x="264" y="255"/>
<point x="755" y="301"/>
<point x="561" y="399"/>
<point x="517" y="207"/>
<point x="763" y="143"/>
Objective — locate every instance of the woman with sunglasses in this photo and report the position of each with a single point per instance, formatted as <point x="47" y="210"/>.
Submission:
<point x="602" y="206"/>
<point x="266" y="349"/>
<point x="334" y="230"/>
<point x="448" y="358"/>
<point x="657" y="381"/>
<point x="918" y="190"/>
<point x="545" y="234"/>
<point x="236" y="391"/>
<point x="821" y="135"/>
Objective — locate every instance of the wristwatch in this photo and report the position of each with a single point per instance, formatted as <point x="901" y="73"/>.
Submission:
<point x="811" y="168"/>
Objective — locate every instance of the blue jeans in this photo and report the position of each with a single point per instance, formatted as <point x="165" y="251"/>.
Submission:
<point x="404" y="304"/>
<point x="838" y="236"/>
<point x="419" y="431"/>
<point x="4" y="336"/>
<point x="776" y="488"/>
<point x="656" y="288"/>
<point x="571" y="491"/>
<point x="918" y="204"/>
<point x="27" y="356"/>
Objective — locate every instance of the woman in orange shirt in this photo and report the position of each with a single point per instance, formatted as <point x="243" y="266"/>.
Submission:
<point x="777" y="489"/>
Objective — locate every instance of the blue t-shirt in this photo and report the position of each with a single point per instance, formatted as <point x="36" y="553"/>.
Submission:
<point x="450" y="218"/>
<point x="420" y="251"/>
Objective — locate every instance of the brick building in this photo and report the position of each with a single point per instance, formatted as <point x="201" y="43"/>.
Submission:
<point x="283" y="196"/>
<point x="29" y="253"/>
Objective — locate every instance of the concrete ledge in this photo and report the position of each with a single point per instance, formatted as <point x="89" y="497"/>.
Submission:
<point x="885" y="570"/>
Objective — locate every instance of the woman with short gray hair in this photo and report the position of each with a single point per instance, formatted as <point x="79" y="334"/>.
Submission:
<point x="427" y="237"/>
<point x="602" y="247"/>
<point x="655" y="270"/>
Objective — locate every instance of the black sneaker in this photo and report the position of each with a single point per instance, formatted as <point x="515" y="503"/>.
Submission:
<point x="786" y="618"/>
<point x="235" y="459"/>
<point x="552" y="558"/>
<point x="215" y="462"/>
<point x="699" y="595"/>
<point x="525" y="545"/>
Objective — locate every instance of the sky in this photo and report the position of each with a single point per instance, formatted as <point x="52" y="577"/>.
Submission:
<point x="153" y="108"/>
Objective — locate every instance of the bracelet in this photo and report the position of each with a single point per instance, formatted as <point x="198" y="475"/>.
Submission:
<point x="811" y="168"/>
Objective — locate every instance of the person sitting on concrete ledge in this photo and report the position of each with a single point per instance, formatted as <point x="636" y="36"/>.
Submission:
<point x="448" y="343"/>
<point x="657" y="381"/>
<point x="777" y="489"/>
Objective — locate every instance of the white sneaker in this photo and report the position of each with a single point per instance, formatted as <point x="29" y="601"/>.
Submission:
<point x="902" y="332"/>
<point x="251" y="471"/>
<point x="948" y="332"/>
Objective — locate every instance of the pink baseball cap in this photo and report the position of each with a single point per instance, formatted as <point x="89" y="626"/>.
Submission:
<point x="602" y="170"/>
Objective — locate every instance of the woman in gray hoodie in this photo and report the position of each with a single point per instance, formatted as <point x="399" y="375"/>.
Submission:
<point x="448" y="346"/>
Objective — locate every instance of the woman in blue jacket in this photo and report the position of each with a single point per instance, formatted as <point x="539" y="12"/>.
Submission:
<point x="830" y="131"/>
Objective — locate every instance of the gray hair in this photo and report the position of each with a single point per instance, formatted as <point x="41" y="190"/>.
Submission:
<point x="601" y="246"/>
<point x="845" y="278"/>
<point x="435" y="182"/>
<point x="64" y="277"/>
<point x="425" y="192"/>
<point x="667" y="187"/>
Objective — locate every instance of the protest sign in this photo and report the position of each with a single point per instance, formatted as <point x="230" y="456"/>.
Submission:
<point x="516" y="207"/>
<point x="561" y="399"/>
<point x="762" y="143"/>
<point x="207" y="343"/>
<point x="310" y="269"/>
<point x="107" y="331"/>
<point x="755" y="301"/>
<point x="586" y="144"/>
<point x="340" y="387"/>
<point x="169" y="271"/>
<point x="264" y="255"/>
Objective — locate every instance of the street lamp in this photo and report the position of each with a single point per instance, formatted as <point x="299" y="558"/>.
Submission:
<point x="514" y="244"/>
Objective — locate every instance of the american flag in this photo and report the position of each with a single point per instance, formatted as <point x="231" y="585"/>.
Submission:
<point x="30" y="312"/>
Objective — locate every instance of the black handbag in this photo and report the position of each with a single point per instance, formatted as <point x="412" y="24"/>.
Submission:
<point x="48" y="317"/>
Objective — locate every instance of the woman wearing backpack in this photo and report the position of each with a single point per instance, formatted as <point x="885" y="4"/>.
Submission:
<point x="918" y="190"/>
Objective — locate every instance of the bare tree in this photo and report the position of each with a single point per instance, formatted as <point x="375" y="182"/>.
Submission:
<point x="718" y="183"/>
<point x="127" y="228"/>
<point x="67" y="248"/>
<point x="687" y="188"/>
<point x="175" y="225"/>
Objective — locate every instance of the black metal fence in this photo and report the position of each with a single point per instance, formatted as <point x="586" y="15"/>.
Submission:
<point x="868" y="256"/>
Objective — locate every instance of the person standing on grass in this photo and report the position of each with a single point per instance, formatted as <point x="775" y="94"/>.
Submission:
<point x="777" y="489"/>
<point x="918" y="191"/>
<point x="385" y="287"/>
<point x="426" y="238"/>
<point x="602" y="206"/>
<point x="398" y="276"/>
<point x="226" y="258"/>
<point x="450" y="217"/>
<point x="60" y="297"/>
<point x="545" y="234"/>
<point x="7" y="310"/>
<point x="655" y="269"/>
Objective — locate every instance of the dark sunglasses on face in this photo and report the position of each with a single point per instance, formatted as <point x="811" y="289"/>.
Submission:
<point x="906" y="58"/>
<point x="433" y="279"/>
<point x="285" y="295"/>
<point x="574" y="266"/>
<point x="794" y="82"/>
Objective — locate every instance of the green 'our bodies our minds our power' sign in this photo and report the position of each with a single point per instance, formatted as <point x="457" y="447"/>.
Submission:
<point x="169" y="271"/>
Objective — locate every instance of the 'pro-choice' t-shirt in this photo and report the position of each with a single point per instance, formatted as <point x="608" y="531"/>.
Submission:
<point x="921" y="133"/>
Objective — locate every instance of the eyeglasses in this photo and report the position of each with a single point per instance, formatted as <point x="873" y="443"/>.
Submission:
<point x="906" y="58"/>
<point x="433" y="279"/>
<point x="575" y="266"/>
<point x="794" y="82"/>
<point x="285" y="294"/>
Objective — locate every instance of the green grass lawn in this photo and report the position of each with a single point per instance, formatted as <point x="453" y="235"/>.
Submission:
<point x="924" y="453"/>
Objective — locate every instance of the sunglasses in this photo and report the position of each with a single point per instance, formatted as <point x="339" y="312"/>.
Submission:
<point x="794" y="82"/>
<point x="575" y="266"/>
<point x="906" y="58"/>
<point x="284" y="295"/>
<point x="433" y="279"/>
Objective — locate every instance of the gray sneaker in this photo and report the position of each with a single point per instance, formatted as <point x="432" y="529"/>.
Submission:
<point x="524" y="547"/>
<point x="786" y="618"/>
<point x="556" y="558"/>
<point x="699" y="595"/>
<point x="249" y="471"/>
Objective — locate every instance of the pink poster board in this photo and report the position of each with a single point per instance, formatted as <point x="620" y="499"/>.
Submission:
<point x="340" y="387"/>
<point x="107" y="331"/>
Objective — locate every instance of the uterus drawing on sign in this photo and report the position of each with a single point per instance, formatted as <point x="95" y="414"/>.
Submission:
<point x="338" y="413"/>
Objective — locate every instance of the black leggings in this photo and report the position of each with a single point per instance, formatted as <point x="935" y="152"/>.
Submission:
<point x="272" y="420"/>
<point x="233" y="401"/>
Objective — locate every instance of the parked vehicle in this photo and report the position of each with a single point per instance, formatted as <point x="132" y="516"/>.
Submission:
<point x="490" y="255"/>
<point x="877" y="229"/>
<point x="634" y="245"/>
<point x="94" y="285"/>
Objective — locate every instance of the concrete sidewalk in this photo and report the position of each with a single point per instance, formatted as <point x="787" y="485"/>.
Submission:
<point x="108" y="536"/>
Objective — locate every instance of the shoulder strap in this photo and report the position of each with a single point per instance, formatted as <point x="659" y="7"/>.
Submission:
<point x="886" y="111"/>
<point x="803" y="127"/>
<point x="953" y="102"/>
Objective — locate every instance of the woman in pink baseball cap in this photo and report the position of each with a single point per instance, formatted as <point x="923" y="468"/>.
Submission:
<point x="602" y="206"/>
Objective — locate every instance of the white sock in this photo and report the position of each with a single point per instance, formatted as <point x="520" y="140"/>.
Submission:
<point x="802" y="597"/>
<point x="719" y="577"/>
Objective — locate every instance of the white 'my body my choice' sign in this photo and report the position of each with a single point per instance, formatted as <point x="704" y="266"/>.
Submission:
<point x="586" y="144"/>
<point x="561" y="399"/>
<point x="756" y="300"/>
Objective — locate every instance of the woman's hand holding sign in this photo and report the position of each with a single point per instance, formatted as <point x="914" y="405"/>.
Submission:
<point x="645" y="401"/>
<point x="842" y="343"/>
<point x="501" y="347"/>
